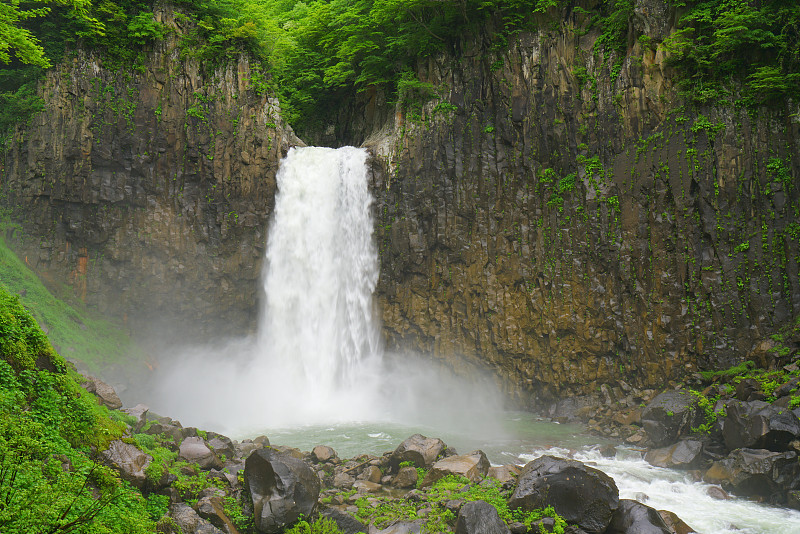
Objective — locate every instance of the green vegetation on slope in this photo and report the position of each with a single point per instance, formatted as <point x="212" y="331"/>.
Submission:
<point x="77" y="332"/>
<point x="48" y="426"/>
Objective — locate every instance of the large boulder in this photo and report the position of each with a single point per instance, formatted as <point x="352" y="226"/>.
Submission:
<point x="479" y="517"/>
<point x="757" y="472"/>
<point x="669" y="415"/>
<point x="685" y="454"/>
<point x="128" y="461"/>
<point x="633" y="517"/>
<point x="758" y="425"/>
<point x="419" y="450"/>
<point x="195" y="450"/>
<point x="283" y="488"/>
<point x="472" y="466"/>
<point x="581" y="495"/>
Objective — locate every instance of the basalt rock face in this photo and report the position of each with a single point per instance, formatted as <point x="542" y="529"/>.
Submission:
<point x="563" y="220"/>
<point x="148" y="189"/>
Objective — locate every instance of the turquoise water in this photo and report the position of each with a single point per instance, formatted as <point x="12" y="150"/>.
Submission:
<point x="511" y="435"/>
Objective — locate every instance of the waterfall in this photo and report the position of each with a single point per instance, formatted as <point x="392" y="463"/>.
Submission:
<point x="317" y="358"/>
<point x="318" y="334"/>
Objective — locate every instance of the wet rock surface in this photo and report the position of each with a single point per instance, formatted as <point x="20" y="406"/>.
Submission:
<point x="283" y="489"/>
<point x="633" y="517"/>
<point x="580" y="494"/>
<point x="480" y="517"/>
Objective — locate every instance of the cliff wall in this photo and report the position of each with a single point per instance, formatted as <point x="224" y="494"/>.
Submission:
<point x="148" y="189"/>
<point x="563" y="218"/>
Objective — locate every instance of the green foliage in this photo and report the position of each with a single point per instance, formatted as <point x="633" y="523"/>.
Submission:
<point x="48" y="480"/>
<point x="233" y="509"/>
<point x="77" y="332"/>
<point x="323" y="525"/>
<point x="756" y="43"/>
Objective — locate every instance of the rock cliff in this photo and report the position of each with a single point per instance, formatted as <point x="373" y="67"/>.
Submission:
<point x="148" y="190"/>
<point x="562" y="217"/>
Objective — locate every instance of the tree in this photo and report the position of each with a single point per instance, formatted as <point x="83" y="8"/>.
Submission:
<point x="20" y="41"/>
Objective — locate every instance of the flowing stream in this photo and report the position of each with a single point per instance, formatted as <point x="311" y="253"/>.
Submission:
<point x="316" y="373"/>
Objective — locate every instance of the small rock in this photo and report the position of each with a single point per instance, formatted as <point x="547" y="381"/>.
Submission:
<point x="365" y="486"/>
<point x="715" y="492"/>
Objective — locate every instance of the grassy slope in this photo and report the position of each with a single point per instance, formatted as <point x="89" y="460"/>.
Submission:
<point x="76" y="332"/>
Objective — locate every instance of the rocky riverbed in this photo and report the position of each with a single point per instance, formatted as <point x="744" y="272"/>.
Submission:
<point x="210" y="483"/>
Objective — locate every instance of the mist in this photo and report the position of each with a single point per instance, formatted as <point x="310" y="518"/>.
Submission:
<point x="318" y="356"/>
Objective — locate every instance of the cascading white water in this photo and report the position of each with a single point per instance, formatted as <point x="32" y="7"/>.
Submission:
<point x="318" y="332"/>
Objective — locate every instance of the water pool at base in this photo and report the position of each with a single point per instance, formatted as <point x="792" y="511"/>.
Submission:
<point x="521" y="437"/>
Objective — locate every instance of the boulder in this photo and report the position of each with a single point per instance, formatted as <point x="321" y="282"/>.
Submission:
<point x="128" y="461"/>
<point x="221" y="445"/>
<point x="371" y="473"/>
<point x="195" y="450"/>
<point x="686" y="454"/>
<point x="472" y="466"/>
<point x="105" y="394"/>
<point x="504" y="473"/>
<point x="633" y="517"/>
<point x="365" y="486"/>
<point x="674" y="523"/>
<point x="189" y="521"/>
<point x="758" y="425"/>
<point x="282" y="487"/>
<point x="669" y="415"/>
<point x="793" y="500"/>
<point x="749" y="389"/>
<point x="756" y="472"/>
<point x="406" y="478"/>
<point x="346" y="523"/>
<point x="787" y="387"/>
<point x="479" y="517"/>
<point x="419" y="450"/>
<point x="343" y="480"/>
<point x="323" y="453"/>
<point x="140" y="413"/>
<point x="581" y="495"/>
